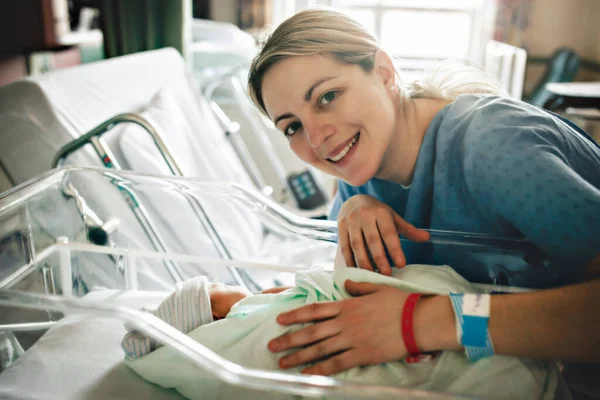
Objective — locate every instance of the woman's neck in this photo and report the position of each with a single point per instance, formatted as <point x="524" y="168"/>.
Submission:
<point x="414" y="117"/>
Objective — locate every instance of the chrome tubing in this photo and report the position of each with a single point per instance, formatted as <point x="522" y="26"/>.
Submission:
<point x="249" y="111"/>
<point x="232" y="133"/>
<point x="94" y="137"/>
<point x="251" y="114"/>
<point x="107" y="125"/>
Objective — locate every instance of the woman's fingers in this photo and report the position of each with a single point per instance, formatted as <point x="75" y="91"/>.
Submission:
<point x="327" y="344"/>
<point x="375" y="236"/>
<point x="361" y="288"/>
<point x="376" y="249"/>
<point x="409" y="231"/>
<point x="305" y="336"/>
<point x="310" y="313"/>
<point x="359" y="250"/>
<point x="368" y="229"/>
<point x="344" y="245"/>
<point x="390" y="238"/>
<point x="341" y="362"/>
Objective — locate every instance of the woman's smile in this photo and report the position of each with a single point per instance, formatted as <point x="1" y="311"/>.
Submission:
<point x="341" y="155"/>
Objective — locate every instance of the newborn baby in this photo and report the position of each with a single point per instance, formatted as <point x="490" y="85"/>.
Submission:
<point x="245" y="323"/>
<point x="194" y="302"/>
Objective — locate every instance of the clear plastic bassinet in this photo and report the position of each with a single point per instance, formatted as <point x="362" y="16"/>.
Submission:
<point x="75" y="230"/>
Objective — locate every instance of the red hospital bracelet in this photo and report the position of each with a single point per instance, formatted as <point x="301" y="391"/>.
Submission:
<point x="407" y="324"/>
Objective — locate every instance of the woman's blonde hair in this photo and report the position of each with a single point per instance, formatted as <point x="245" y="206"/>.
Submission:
<point x="332" y="33"/>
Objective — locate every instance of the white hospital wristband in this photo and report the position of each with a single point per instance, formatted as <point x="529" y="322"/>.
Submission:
<point x="472" y="313"/>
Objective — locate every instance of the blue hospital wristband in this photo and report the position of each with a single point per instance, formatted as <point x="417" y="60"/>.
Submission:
<point x="472" y="312"/>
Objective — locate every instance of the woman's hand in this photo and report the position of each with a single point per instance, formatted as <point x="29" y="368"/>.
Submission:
<point x="223" y="297"/>
<point x="359" y="331"/>
<point x="366" y="225"/>
<point x="364" y="330"/>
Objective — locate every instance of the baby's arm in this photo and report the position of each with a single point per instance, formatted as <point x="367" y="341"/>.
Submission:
<point x="276" y="290"/>
<point x="194" y="302"/>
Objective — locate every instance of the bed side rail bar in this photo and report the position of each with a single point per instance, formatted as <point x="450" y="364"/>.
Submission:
<point x="95" y="138"/>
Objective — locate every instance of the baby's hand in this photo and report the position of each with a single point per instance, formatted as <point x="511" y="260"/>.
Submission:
<point x="276" y="290"/>
<point x="223" y="297"/>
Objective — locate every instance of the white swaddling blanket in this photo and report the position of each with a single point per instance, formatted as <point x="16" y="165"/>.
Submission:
<point x="243" y="336"/>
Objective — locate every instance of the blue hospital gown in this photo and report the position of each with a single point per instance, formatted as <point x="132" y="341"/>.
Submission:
<point x="504" y="168"/>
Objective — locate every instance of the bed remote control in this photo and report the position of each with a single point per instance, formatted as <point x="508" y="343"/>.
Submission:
<point x="307" y="192"/>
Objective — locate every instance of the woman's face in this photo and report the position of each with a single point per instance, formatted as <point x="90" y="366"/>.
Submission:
<point x="337" y="117"/>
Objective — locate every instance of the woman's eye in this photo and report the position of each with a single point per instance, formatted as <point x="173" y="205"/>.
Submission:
<point x="292" y="128"/>
<point x="327" y="98"/>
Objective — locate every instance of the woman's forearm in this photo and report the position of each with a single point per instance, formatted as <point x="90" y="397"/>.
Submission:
<point x="434" y="325"/>
<point x="559" y="324"/>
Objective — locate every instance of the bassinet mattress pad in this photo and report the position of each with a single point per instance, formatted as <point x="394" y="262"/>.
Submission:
<point x="80" y="358"/>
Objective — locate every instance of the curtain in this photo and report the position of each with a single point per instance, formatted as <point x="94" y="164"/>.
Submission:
<point x="131" y="26"/>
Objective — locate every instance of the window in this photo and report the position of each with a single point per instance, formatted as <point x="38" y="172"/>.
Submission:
<point x="416" y="33"/>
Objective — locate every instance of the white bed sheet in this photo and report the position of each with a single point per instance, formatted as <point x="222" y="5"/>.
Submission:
<point x="82" y="359"/>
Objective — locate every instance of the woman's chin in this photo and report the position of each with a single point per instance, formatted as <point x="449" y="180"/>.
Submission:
<point x="358" y="179"/>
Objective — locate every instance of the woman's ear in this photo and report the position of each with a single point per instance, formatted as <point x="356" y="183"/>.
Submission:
<point x="384" y="69"/>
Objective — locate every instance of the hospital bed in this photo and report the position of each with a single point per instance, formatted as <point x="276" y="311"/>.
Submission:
<point x="79" y="356"/>
<point x="43" y="114"/>
<point x="40" y="114"/>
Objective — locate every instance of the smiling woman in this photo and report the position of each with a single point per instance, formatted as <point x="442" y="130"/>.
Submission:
<point x="336" y="117"/>
<point x="450" y="153"/>
<point x="339" y="82"/>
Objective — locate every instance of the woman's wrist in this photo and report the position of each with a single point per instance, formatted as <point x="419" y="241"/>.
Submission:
<point x="434" y="324"/>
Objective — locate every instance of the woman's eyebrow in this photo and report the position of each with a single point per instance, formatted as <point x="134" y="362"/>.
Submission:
<point x="307" y="96"/>
<point x="283" y="116"/>
<point x="310" y="90"/>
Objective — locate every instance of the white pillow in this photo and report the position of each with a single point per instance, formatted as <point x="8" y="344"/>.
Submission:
<point x="202" y="151"/>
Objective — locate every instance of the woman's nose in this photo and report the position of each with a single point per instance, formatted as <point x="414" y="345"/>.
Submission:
<point x="317" y="131"/>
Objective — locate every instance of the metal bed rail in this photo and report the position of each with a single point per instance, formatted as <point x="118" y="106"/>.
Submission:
<point x="221" y="368"/>
<point x="273" y="215"/>
<point x="302" y="187"/>
<point x="224" y="370"/>
<point x="232" y="133"/>
<point x="95" y="138"/>
<point x="230" y="80"/>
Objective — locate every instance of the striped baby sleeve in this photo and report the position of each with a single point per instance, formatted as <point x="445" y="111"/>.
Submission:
<point x="187" y="308"/>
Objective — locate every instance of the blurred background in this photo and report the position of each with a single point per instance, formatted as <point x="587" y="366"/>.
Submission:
<point x="529" y="45"/>
<point x="408" y="29"/>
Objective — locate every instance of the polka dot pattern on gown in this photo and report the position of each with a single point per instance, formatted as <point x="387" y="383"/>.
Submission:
<point x="502" y="167"/>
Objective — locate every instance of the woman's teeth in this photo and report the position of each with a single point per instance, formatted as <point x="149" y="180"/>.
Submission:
<point x="345" y="151"/>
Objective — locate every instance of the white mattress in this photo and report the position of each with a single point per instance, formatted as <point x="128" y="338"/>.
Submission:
<point x="81" y="359"/>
